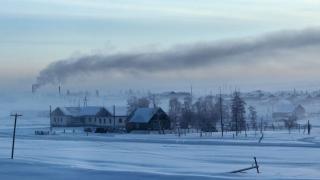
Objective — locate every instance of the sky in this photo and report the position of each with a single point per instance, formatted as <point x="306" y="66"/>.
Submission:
<point x="36" y="33"/>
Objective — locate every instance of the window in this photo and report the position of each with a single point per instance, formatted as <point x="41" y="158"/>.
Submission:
<point x="104" y="121"/>
<point x="120" y="120"/>
<point x="100" y="121"/>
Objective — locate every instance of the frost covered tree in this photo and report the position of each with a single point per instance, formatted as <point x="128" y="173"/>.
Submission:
<point x="221" y="112"/>
<point x="133" y="103"/>
<point x="143" y="102"/>
<point x="154" y="100"/>
<point x="205" y="114"/>
<point x="175" y="111"/>
<point x="187" y="113"/>
<point x="253" y="117"/>
<point x="238" y="111"/>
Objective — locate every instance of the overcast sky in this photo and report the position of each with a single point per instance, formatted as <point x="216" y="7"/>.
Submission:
<point x="36" y="33"/>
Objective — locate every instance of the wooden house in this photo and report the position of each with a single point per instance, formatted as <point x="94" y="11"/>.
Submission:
<point x="148" y="119"/>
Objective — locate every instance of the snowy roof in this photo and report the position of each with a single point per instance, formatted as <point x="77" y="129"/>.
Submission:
<point x="142" y="115"/>
<point x="81" y="111"/>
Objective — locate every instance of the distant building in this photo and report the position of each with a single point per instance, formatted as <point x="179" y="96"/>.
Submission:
<point x="281" y="116"/>
<point x="285" y="109"/>
<point x="148" y="119"/>
<point x="90" y="116"/>
<point x="299" y="111"/>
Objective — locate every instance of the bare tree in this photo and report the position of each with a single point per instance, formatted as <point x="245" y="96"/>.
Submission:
<point x="133" y="103"/>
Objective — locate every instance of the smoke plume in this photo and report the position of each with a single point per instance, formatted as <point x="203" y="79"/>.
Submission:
<point x="244" y="50"/>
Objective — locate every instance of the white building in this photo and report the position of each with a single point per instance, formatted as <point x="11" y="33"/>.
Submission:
<point x="90" y="116"/>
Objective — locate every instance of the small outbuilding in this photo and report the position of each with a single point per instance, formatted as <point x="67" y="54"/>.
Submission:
<point x="148" y="119"/>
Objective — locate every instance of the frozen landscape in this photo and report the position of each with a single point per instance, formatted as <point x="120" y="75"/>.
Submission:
<point x="160" y="90"/>
<point x="69" y="153"/>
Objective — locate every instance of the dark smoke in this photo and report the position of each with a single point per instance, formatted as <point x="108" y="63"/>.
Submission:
<point x="182" y="57"/>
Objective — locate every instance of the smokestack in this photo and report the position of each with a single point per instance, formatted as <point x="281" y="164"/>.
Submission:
<point x="114" y="116"/>
<point x="59" y="89"/>
<point x="85" y="101"/>
<point x="34" y="88"/>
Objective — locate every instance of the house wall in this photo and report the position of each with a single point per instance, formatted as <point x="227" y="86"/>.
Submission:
<point x="138" y="126"/>
<point x="151" y="125"/>
<point x="120" y="121"/>
<point x="165" y="123"/>
<point x="97" y="121"/>
<point x="58" y="121"/>
<point x="105" y="121"/>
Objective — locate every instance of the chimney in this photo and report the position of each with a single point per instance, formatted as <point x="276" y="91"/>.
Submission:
<point x="33" y="88"/>
<point x="85" y="101"/>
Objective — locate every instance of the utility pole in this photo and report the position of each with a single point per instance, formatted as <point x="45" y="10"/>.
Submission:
<point x="261" y="122"/>
<point x="50" y="111"/>
<point x="114" y="117"/>
<point x="59" y="89"/>
<point x="85" y="101"/>
<point x="309" y="128"/>
<point x="237" y="111"/>
<point x="221" y="118"/>
<point x="14" y="132"/>
<point x="191" y="92"/>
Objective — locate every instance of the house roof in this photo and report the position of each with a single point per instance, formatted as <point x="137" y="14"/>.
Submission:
<point x="143" y="115"/>
<point x="81" y="111"/>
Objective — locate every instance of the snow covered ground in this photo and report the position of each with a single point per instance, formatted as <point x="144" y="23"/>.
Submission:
<point x="143" y="156"/>
<point x="149" y="156"/>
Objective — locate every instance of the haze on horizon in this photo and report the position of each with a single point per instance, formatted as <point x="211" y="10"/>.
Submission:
<point x="37" y="33"/>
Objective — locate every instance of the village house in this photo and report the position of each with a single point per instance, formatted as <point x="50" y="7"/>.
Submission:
<point x="148" y="119"/>
<point x="120" y="116"/>
<point x="284" y="110"/>
<point x="89" y="116"/>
